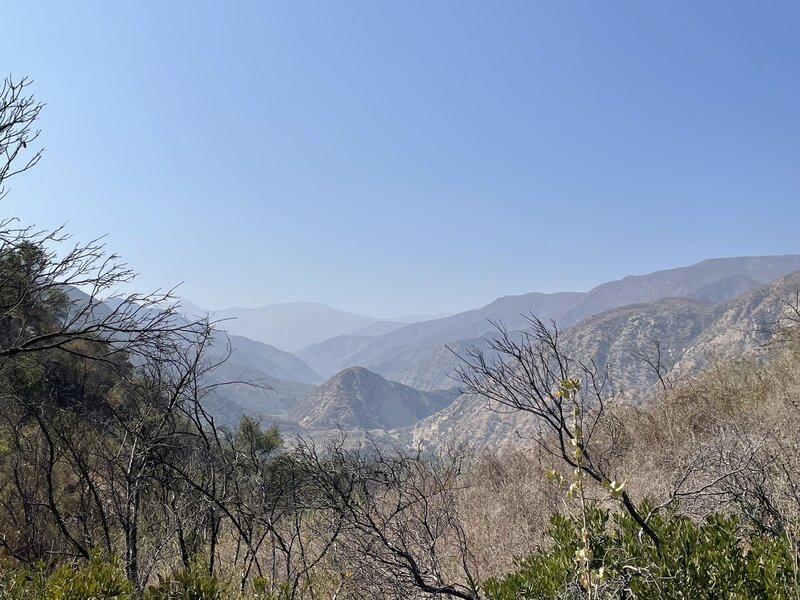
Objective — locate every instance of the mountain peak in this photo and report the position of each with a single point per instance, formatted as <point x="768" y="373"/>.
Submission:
<point x="357" y="398"/>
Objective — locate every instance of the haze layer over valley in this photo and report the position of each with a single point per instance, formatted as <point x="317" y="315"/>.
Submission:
<point x="398" y="380"/>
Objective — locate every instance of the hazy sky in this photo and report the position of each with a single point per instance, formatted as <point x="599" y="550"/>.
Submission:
<point x="411" y="157"/>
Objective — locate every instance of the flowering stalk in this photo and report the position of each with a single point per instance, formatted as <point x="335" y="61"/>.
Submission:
<point x="568" y="390"/>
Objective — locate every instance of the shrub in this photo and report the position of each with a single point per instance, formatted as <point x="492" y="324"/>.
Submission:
<point x="189" y="584"/>
<point x="703" y="561"/>
<point x="97" y="579"/>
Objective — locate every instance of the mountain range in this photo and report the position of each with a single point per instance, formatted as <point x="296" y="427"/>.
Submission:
<point x="396" y="378"/>
<point x="292" y="326"/>
<point x="691" y="334"/>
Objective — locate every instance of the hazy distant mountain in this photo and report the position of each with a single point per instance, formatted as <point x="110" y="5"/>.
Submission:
<point x="717" y="307"/>
<point x="418" y="318"/>
<point x="415" y="354"/>
<point x="690" y="333"/>
<point x="266" y="359"/>
<point x="379" y="328"/>
<point x="291" y="326"/>
<point x="395" y="351"/>
<point x="263" y="397"/>
<point x="360" y="399"/>
<point x="743" y="326"/>
<point x="269" y="381"/>
<point x="258" y="370"/>
<point x="435" y="369"/>
<point x="715" y="280"/>
<point x="245" y="354"/>
<point x="191" y="310"/>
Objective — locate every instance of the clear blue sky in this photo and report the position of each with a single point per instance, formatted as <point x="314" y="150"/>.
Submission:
<point x="408" y="157"/>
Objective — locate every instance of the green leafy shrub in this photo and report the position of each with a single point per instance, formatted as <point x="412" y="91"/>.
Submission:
<point x="707" y="561"/>
<point x="22" y="584"/>
<point x="97" y="579"/>
<point x="261" y="590"/>
<point x="189" y="584"/>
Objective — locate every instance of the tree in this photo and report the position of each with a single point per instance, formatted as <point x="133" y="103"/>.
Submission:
<point x="18" y="111"/>
<point x="78" y="289"/>
<point x="99" y="390"/>
<point x="569" y="400"/>
<point x="402" y="533"/>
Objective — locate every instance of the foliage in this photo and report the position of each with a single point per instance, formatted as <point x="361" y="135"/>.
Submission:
<point x="188" y="584"/>
<point x="96" y="579"/>
<point x="254" y="441"/>
<point x="717" y="558"/>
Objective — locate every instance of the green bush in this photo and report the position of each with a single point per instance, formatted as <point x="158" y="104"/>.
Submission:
<point x="707" y="561"/>
<point x="261" y="590"/>
<point x="189" y="584"/>
<point x="97" y="579"/>
<point x="21" y="584"/>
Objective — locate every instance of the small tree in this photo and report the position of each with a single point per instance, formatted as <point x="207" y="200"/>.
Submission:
<point x="18" y="111"/>
<point x="99" y="389"/>
<point x="401" y="529"/>
<point x="531" y="372"/>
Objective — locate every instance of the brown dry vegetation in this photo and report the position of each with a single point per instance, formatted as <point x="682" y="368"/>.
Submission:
<point x="725" y="440"/>
<point x="371" y="522"/>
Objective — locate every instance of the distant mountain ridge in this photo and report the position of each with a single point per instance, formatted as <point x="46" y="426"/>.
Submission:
<point x="405" y="352"/>
<point x="250" y="354"/>
<point x="395" y="377"/>
<point x="290" y="326"/>
<point x="690" y="333"/>
<point x="396" y="350"/>
<point x="715" y="280"/>
<point x="294" y="325"/>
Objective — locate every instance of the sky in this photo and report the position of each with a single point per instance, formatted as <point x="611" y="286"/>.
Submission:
<point x="410" y="157"/>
